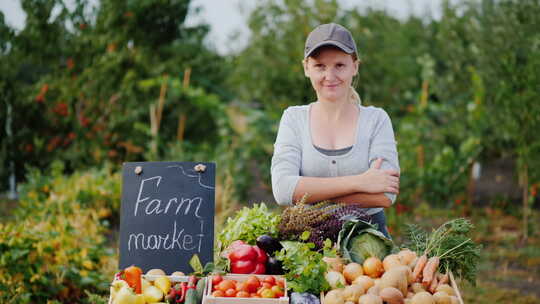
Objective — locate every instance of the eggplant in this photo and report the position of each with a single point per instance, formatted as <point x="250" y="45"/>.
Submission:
<point x="274" y="266"/>
<point x="304" y="298"/>
<point x="269" y="244"/>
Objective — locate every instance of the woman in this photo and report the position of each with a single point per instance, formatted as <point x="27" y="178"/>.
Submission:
<point x="335" y="149"/>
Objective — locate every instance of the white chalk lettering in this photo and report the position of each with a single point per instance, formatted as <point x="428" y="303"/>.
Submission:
<point x="156" y="210"/>
<point x="139" y="200"/>
<point x="179" y="240"/>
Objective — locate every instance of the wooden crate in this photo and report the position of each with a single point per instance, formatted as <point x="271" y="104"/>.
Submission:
<point x="151" y="278"/>
<point x="209" y="299"/>
<point x="452" y="283"/>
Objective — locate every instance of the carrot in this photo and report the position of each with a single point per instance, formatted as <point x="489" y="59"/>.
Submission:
<point x="433" y="285"/>
<point x="443" y="279"/>
<point x="429" y="271"/>
<point x="419" y="267"/>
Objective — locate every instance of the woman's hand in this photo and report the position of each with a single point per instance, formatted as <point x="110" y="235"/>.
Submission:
<point x="376" y="180"/>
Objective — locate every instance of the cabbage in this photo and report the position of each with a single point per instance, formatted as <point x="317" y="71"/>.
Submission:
<point x="359" y="240"/>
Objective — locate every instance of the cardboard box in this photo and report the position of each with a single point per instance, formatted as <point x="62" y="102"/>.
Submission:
<point x="209" y="299"/>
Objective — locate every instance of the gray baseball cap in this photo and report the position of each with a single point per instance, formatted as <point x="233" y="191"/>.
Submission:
<point x="330" y="34"/>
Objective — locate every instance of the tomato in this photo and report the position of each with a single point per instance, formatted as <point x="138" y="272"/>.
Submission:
<point x="226" y="285"/>
<point x="253" y="283"/>
<point x="218" y="293"/>
<point x="254" y="295"/>
<point x="242" y="294"/>
<point x="243" y="266"/>
<point x="242" y="286"/>
<point x="261" y="290"/>
<point x="277" y="291"/>
<point x="281" y="283"/>
<point x="216" y="279"/>
<point x="270" y="279"/>
<point x="268" y="293"/>
<point x="266" y="285"/>
<point x="230" y="293"/>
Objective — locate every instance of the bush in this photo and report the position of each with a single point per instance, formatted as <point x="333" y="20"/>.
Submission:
<point x="57" y="245"/>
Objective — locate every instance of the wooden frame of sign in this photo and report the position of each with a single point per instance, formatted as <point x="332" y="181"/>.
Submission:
<point x="167" y="215"/>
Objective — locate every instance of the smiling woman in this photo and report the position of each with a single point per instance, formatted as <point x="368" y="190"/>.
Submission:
<point x="335" y="149"/>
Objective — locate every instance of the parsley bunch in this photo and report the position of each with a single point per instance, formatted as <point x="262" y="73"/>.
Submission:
<point x="304" y="267"/>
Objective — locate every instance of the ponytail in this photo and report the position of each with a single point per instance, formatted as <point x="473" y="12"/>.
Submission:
<point x="354" y="97"/>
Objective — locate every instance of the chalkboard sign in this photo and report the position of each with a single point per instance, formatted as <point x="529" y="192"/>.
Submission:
<point x="167" y="215"/>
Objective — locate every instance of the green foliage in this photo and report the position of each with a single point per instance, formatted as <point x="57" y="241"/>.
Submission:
<point x="304" y="267"/>
<point x="452" y="243"/>
<point x="60" y="230"/>
<point x="72" y="80"/>
<point x="248" y="224"/>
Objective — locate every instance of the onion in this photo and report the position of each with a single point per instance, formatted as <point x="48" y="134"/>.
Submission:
<point x="352" y="271"/>
<point x="442" y="298"/>
<point x="373" y="267"/>
<point x="335" y="279"/>
<point x="423" y="297"/>
<point x="336" y="264"/>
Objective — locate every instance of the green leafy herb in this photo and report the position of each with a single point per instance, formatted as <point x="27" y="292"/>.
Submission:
<point x="304" y="267"/>
<point x="451" y="243"/>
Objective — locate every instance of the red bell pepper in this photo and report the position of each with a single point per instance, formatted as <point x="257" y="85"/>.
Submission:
<point x="246" y="259"/>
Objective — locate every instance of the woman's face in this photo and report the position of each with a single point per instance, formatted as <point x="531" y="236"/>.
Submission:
<point x="331" y="72"/>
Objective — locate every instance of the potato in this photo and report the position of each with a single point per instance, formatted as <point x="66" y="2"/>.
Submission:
<point x="391" y="295"/>
<point x="417" y="287"/>
<point x="441" y="297"/>
<point x="446" y="288"/>
<point x="391" y="261"/>
<point x="352" y="271"/>
<point x="396" y="278"/>
<point x="408" y="273"/>
<point x="406" y="256"/>
<point x="423" y="297"/>
<point x="334" y="296"/>
<point x="364" y="281"/>
<point x="353" y="292"/>
<point x="370" y="299"/>
<point x="374" y="290"/>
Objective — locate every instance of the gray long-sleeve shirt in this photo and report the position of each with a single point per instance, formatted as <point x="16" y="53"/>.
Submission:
<point x="295" y="155"/>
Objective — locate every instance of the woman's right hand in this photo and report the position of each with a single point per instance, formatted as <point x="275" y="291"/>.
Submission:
<point x="376" y="180"/>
